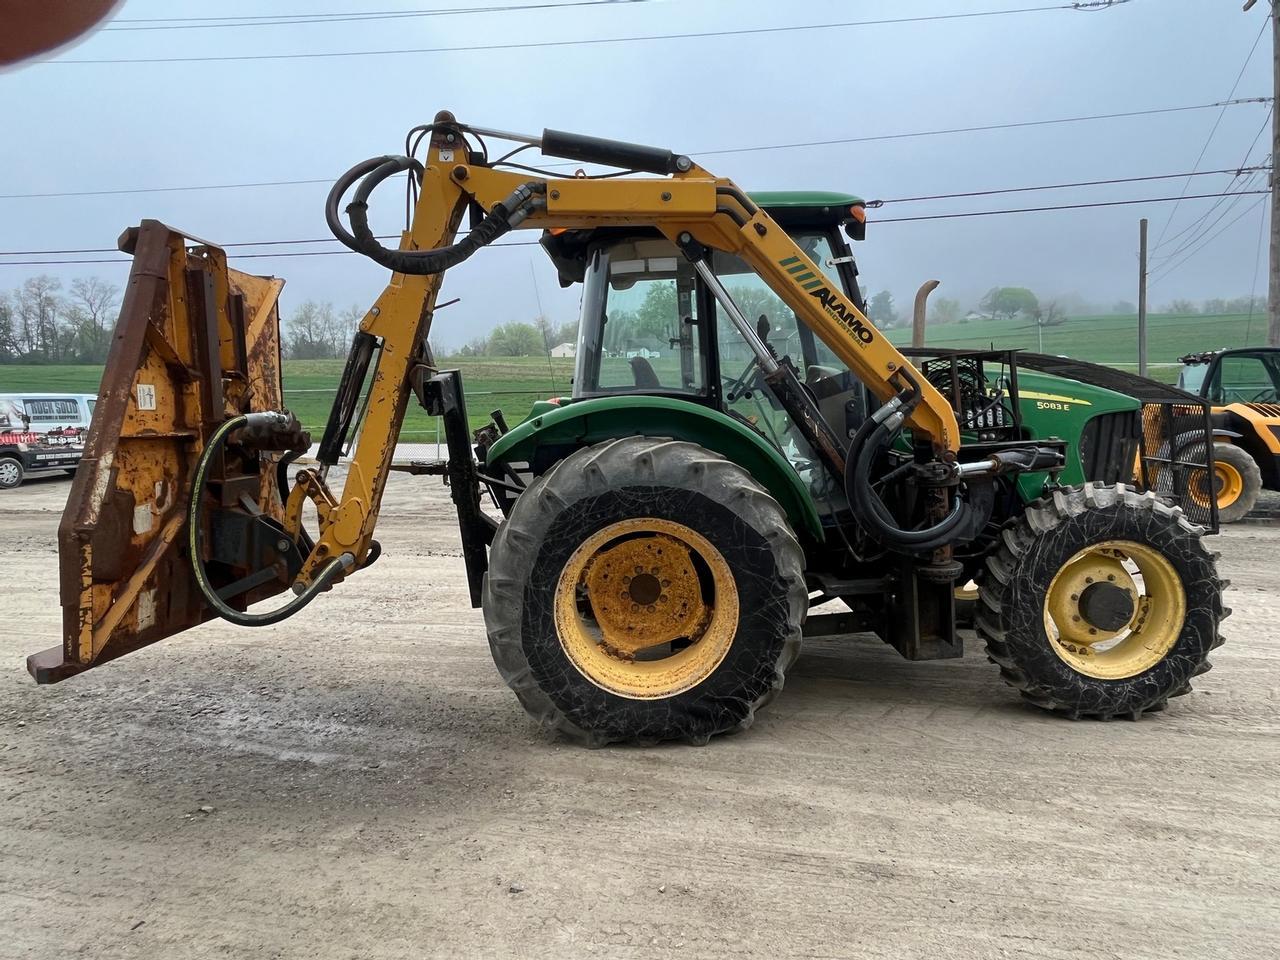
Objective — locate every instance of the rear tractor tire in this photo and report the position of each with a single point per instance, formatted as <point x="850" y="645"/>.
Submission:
<point x="1100" y="602"/>
<point x="645" y="590"/>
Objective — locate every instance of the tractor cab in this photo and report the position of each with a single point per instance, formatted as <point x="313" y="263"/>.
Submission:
<point x="1223" y="377"/>
<point x="650" y="325"/>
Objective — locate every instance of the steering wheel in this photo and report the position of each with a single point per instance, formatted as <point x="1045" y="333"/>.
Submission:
<point x="1265" y="395"/>
<point x="740" y="386"/>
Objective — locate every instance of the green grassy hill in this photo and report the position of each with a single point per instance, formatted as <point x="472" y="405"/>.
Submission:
<point x="513" y="383"/>
<point x="1109" y="339"/>
<point x="507" y="383"/>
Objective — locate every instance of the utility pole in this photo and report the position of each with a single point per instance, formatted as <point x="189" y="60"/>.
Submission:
<point x="1142" y="297"/>
<point x="1273" y="285"/>
<point x="1273" y="275"/>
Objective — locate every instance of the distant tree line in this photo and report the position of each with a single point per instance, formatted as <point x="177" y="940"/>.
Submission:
<point x="1217" y="306"/>
<point x="316" y="331"/>
<point x="520" y="339"/>
<point x="42" y="323"/>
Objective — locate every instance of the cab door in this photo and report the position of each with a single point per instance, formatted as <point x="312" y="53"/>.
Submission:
<point x="1250" y="377"/>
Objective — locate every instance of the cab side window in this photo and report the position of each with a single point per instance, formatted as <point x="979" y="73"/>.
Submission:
<point x="1245" y="379"/>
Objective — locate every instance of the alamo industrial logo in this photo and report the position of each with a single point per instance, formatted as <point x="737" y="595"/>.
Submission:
<point x="816" y="286"/>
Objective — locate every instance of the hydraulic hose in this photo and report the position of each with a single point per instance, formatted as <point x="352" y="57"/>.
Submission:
<point x="874" y="435"/>
<point x="876" y="515"/>
<point x="502" y="218"/>
<point x="195" y="534"/>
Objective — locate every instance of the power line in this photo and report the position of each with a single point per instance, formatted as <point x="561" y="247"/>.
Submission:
<point x="1061" y="206"/>
<point x="543" y="44"/>
<point x="528" y="243"/>
<point x="700" y="153"/>
<point x="1198" y="227"/>
<point x="268" y="20"/>
<point x="875" y="204"/>
<point x="1207" y="240"/>
<point x="992" y="126"/>
<point x="203" y="186"/>
<point x="1193" y="230"/>
<point x="1191" y="227"/>
<point x="1213" y="130"/>
<point x="234" y="256"/>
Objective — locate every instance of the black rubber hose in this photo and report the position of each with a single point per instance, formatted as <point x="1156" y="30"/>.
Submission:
<point x="503" y="217"/>
<point x="339" y="189"/>
<point x="195" y="535"/>
<point x="870" y="439"/>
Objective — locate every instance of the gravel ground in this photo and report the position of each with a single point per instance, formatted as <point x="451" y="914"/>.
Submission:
<point x="357" y="783"/>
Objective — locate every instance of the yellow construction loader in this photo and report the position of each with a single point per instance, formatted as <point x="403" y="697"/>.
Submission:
<point x="650" y="551"/>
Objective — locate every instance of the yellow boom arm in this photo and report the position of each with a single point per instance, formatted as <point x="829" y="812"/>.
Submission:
<point x="689" y="204"/>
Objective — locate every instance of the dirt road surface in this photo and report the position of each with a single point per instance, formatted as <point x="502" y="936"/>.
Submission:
<point x="358" y="783"/>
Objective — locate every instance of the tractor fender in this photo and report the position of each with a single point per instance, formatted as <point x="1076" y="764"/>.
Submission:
<point x="552" y="433"/>
<point x="1189" y="438"/>
<point x="1184" y="443"/>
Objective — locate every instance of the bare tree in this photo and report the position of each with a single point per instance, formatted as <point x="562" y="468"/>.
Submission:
<point x="93" y="303"/>
<point x="308" y="331"/>
<point x="38" y="306"/>
<point x="9" y="349"/>
<point x="349" y="323"/>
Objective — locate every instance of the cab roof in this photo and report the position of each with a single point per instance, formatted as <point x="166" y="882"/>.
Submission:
<point x="808" y="207"/>
<point x="820" y="209"/>
<point x="805" y="198"/>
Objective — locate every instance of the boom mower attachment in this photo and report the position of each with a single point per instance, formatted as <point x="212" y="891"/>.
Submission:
<point x="196" y="347"/>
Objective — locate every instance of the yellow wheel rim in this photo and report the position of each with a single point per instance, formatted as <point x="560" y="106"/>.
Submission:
<point x="1115" y="610"/>
<point x="646" y="608"/>
<point x="1228" y="484"/>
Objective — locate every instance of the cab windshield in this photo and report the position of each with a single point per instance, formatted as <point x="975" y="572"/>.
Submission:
<point x="643" y="312"/>
<point x="1191" y="377"/>
<point x="758" y="303"/>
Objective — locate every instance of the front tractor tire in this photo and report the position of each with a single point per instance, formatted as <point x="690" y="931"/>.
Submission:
<point x="645" y="590"/>
<point x="1100" y="602"/>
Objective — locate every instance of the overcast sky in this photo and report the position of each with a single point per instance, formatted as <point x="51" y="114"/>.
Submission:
<point x="79" y="127"/>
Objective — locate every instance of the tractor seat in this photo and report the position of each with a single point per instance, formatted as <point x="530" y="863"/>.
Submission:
<point x="642" y="373"/>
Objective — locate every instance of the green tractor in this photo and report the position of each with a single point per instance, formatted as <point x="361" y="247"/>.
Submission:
<point x="676" y="610"/>
<point x="744" y="461"/>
